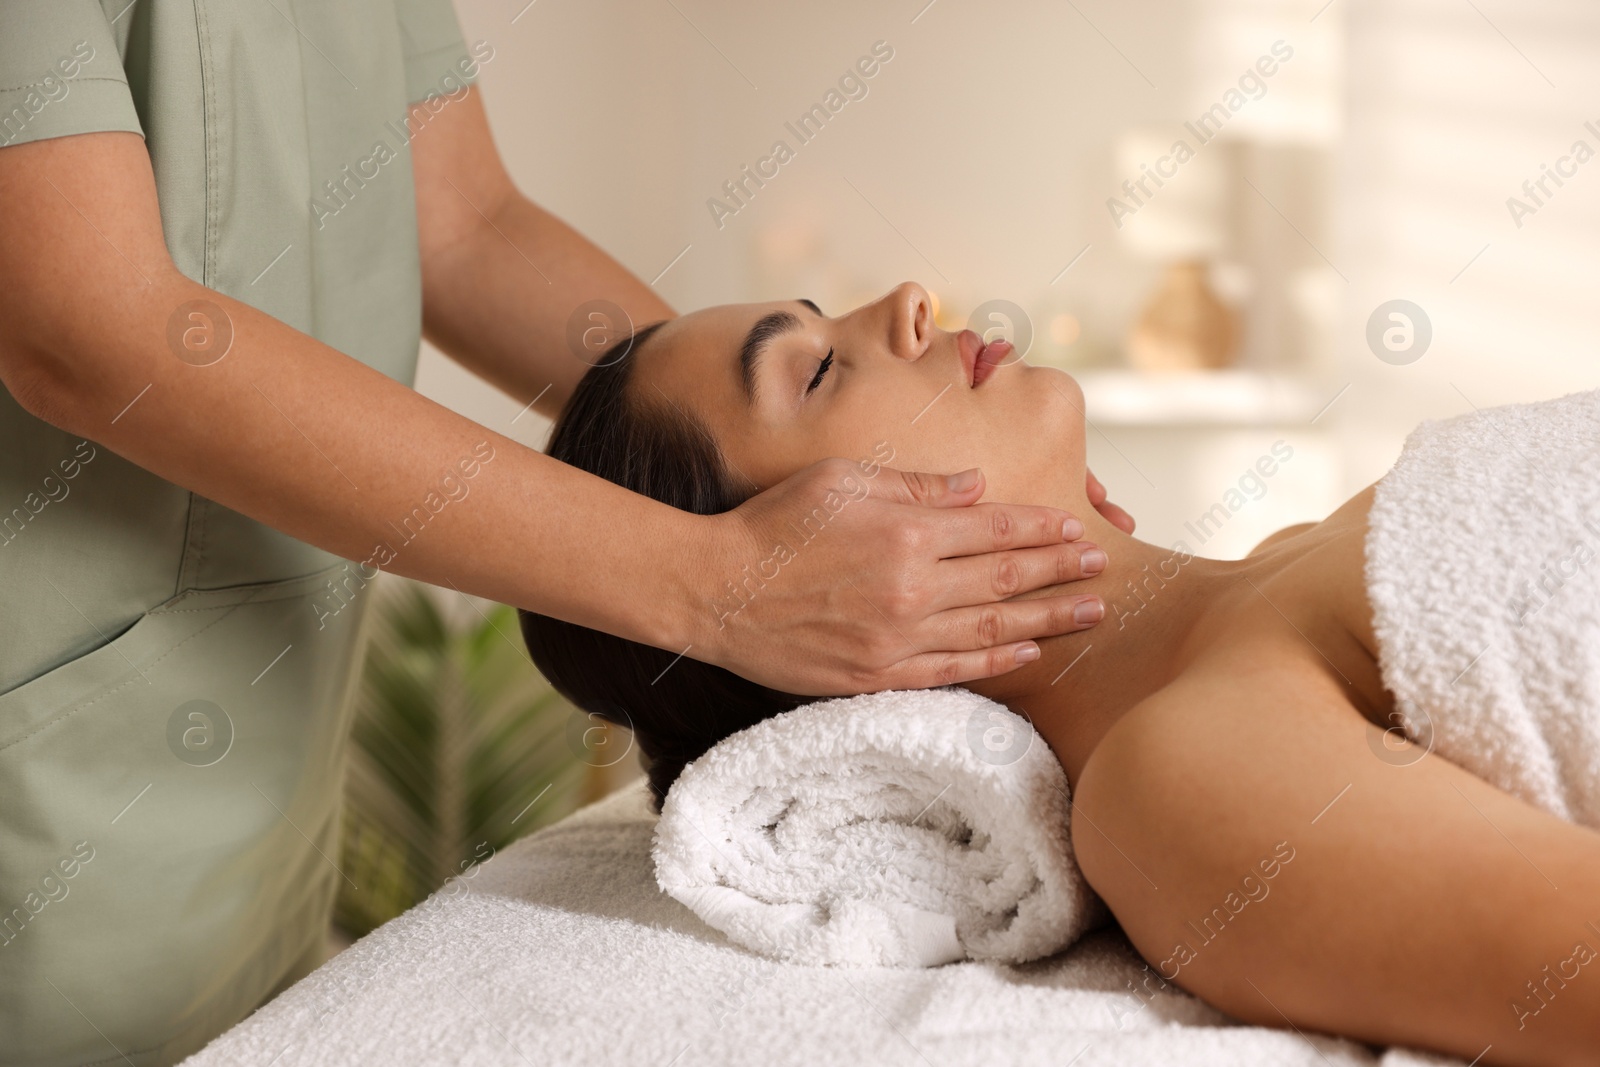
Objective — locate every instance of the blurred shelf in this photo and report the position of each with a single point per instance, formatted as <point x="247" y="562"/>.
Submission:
<point x="1121" y="397"/>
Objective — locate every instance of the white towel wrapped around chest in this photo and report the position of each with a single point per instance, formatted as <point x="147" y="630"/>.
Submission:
<point x="893" y="829"/>
<point x="1483" y="568"/>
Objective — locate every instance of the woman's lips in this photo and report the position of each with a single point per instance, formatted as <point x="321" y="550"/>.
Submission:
<point x="992" y="358"/>
<point x="980" y="360"/>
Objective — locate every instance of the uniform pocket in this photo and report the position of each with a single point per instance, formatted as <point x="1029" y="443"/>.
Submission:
<point x="197" y="760"/>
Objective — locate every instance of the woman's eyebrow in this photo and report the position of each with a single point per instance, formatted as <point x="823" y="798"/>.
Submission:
<point x="767" y="329"/>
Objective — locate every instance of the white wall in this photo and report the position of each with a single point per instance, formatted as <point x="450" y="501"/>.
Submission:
<point x="1450" y="110"/>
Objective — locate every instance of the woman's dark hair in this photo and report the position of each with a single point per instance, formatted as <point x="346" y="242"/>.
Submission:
<point x="655" y="448"/>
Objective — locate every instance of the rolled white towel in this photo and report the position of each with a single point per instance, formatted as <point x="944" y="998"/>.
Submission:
<point x="901" y="829"/>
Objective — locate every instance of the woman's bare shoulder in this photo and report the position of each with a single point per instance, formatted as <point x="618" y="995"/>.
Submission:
<point x="1328" y="583"/>
<point x="1292" y="639"/>
<point x="1181" y="745"/>
<point x="1297" y="637"/>
<point x="1204" y="792"/>
<point x="1316" y="580"/>
<point x="1352" y="512"/>
<point x="1274" y="539"/>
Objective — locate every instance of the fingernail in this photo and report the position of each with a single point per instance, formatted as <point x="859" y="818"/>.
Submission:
<point x="964" y="482"/>
<point x="1093" y="561"/>
<point x="1088" y="611"/>
<point x="1027" y="653"/>
<point x="1071" y="530"/>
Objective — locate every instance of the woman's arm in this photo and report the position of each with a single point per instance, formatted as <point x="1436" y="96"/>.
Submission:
<point x="1260" y="854"/>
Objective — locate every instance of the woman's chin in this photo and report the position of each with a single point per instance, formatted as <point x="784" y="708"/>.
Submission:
<point x="1066" y="384"/>
<point x="1048" y="414"/>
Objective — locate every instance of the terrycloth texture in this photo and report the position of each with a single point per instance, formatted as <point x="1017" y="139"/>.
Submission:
<point x="1483" y="566"/>
<point x="898" y="829"/>
<point x="562" y="951"/>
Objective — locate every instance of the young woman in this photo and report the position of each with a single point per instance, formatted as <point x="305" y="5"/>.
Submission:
<point x="1224" y="720"/>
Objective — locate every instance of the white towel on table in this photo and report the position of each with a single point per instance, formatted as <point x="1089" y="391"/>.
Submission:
<point x="903" y="829"/>
<point x="1483" y="567"/>
<point x="561" y="950"/>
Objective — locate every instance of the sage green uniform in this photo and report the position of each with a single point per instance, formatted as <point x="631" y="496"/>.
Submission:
<point x="175" y="678"/>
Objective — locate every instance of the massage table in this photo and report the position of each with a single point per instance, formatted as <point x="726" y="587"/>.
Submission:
<point x="562" y="950"/>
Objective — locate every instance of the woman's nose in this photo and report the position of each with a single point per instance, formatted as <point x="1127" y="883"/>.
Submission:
<point x="910" y="313"/>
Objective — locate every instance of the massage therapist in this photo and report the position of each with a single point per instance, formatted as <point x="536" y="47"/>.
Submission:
<point x="222" y="232"/>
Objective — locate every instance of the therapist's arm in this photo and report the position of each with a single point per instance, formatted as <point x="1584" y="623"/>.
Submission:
<point x="308" y="440"/>
<point x="501" y="276"/>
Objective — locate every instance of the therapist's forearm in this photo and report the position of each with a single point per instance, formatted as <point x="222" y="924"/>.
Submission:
<point x="296" y="434"/>
<point x="501" y="277"/>
<point x="314" y="443"/>
<point x="499" y="302"/>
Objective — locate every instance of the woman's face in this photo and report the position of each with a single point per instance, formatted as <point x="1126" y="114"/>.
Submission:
<point x="893" y="378"/>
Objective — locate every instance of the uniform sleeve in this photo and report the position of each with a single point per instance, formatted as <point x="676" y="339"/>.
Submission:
<point x="60" y="72"/>
<point x="438" y="61"/>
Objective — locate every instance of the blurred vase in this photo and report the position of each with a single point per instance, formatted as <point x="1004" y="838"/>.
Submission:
<point x="1185" y="326"/>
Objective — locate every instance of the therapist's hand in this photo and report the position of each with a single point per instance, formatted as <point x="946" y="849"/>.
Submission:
<point x="902" y="587"/>
<point x="1108" y="511"/>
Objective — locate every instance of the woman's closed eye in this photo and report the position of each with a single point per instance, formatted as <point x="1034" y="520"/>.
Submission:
<point x="822" y="368"/>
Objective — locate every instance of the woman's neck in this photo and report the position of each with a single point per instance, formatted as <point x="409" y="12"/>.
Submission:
<point x="1084" y="682"/>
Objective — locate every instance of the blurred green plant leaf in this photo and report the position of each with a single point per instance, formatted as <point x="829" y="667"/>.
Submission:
<point x="458" y="748"/>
